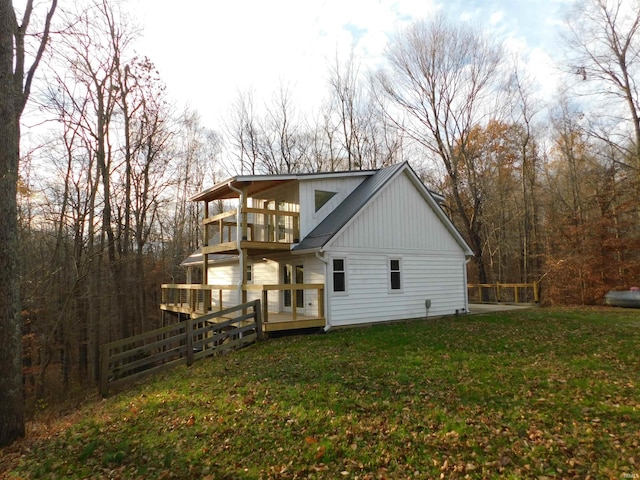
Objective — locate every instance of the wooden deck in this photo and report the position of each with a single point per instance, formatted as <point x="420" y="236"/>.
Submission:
<point x="280" y="321"/>
<point x="197" y="300"/>
<point x="277" y="321"/>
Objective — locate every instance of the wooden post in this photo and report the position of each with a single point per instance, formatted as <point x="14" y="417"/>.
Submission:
<point x="320" y="302"/>
<point x="536" y="297"/>
<point x="296" y="228"/>
<point x="265" y="305"/>
<point x="515" y="294"/>
<point x="206" y="298"/>
<point x="243" y="214"/>
<point x="245" y="259"/>
<point x="257" y="311"/>
<point x="294" y="301"/>
<point x="189" y="342"/>
<point x="104" y="370"/>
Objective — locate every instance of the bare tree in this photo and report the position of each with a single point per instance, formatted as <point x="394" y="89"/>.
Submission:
<point x="440" y="76"/>
<point x="283" y="145"/>
<point x="242" y="133"/>
<point x="15" y="87"/>
<point x="346" y="90"/>
<point x="524" y="108"/>
<point x="195" y="151"/>
<point x="604" y="46"/>
<point x="108" y="177"/>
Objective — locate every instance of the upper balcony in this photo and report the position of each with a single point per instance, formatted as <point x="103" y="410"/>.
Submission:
<point x="267" y="218"/>
<point x="261" y="230"/>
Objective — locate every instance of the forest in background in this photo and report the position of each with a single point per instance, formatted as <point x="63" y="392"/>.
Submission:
<point x="542" y="189"/>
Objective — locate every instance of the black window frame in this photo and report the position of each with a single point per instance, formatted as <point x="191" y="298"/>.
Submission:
<point x="339" y="276"/>
<point x="395" y="274"/>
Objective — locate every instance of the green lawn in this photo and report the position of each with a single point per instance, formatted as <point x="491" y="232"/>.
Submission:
<point x="529" y="394"/>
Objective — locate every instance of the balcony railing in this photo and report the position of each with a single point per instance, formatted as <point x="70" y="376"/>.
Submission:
<point x="257" y="225"/>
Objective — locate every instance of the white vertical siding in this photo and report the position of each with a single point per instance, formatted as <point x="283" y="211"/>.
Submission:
<point x="399" y="218"/>
<point x="309" y="218"/>
<point x="397" y="224"/>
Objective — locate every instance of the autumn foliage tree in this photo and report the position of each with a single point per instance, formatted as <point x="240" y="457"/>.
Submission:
<point x="592" y="242"/>
<point x="440" y="78"/>
<point x="498" y="177"/>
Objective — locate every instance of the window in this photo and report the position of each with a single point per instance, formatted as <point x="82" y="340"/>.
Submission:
<point x="249" y="273"/>
<point x="394" y="274"/>
<point x="322" y="197"/>
<point x="339" y="275"/>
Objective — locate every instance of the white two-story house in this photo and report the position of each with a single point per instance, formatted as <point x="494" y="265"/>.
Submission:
<point x="326" y="250"/>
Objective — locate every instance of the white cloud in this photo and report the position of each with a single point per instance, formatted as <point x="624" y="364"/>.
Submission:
<point x="208" y="51"/>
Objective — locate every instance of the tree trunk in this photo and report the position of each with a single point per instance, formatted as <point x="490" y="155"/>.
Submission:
<point x="11" y="391"/>
<point x="15" y="85"/>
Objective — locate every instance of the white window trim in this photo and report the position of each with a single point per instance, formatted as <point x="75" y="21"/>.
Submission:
<point x="346" y="276"/>
<point x="315" y="190"/>
<point x="388" y="268"/>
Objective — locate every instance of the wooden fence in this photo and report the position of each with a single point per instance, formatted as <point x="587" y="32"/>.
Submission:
<point x="134" y="357"/>
<point x="504" y="292"/>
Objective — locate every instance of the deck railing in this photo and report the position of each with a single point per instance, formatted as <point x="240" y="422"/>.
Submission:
<point x="297" y="300"/>
<point x="504" y="292"/>
<point x="134" y="357"/>
<point x="256" y="225"/>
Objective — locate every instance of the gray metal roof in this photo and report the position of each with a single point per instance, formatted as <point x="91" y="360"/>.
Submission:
<point x="337" y="219"/>
<point x="259" y="183"/>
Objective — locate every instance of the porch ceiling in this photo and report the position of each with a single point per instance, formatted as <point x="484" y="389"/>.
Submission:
<point x="254" y="185"/>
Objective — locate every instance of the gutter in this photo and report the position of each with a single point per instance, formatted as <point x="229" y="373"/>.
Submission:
<point x="320" y="256"/>
<point x="239" y="238"/>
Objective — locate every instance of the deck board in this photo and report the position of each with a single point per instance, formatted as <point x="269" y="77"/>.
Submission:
<point x="277" y="321"/>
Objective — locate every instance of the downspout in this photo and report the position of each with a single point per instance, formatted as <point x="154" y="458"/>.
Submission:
<point x="239" y="237"/>
<point x="466" y="290"/>
<point x="320" y="256"/>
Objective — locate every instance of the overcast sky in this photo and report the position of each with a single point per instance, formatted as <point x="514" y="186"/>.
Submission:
<point x="207" y="51"/>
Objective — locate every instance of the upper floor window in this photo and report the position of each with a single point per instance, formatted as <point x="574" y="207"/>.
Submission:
<point x="322" y="197"/>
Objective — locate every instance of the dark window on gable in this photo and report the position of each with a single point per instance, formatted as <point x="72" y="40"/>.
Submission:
<point x="322" y="197"/>
<point x="394" y="270"/>
<point x="339" y="275"/>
